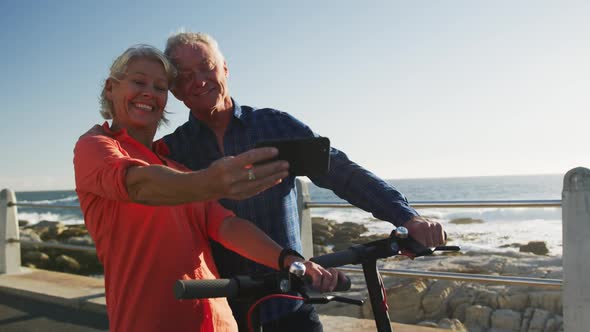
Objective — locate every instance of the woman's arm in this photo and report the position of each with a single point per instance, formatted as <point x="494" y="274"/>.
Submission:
<point x="246" y="239"/>
<point x="103" y="168"/>
<point x="225" y="178"/>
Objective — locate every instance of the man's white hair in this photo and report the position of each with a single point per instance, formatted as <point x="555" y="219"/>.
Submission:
<point x="191" y="38"/>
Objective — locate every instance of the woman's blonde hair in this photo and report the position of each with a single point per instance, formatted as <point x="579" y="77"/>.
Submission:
<point x="119" y="67"/>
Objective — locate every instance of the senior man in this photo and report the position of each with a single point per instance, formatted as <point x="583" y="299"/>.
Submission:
<point x="218" y="126"/>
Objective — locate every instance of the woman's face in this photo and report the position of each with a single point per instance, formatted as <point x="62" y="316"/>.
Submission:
<point x="139" y="98"/>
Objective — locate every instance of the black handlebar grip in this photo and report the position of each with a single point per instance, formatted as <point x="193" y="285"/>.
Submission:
<point x="199" y="289"/>
<point x="339" y="258"/>
<point x="343" y="284"/>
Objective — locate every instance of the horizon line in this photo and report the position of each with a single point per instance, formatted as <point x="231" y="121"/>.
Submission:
<point x="385" y="179"/>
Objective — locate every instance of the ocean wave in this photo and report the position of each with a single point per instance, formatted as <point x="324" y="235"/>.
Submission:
<point x="35" y="217"/>
<point x="445" y="215"/>
<point x="73" y="198"/>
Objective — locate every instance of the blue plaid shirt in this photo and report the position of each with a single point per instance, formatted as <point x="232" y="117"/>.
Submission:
<point x="275" y="210"/>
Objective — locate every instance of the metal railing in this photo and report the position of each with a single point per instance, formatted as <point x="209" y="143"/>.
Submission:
<point x="75" y="247"/>
<point x="504" y="280"/>
<point x="454" y="204"/>
<point x="467" y="277"/>
<point x="45" y="206"/>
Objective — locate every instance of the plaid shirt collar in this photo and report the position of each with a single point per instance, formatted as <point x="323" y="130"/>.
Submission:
<point x="238" y="117"/>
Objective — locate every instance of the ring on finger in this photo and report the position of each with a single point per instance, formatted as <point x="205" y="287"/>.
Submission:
<point x="251" y="176"/>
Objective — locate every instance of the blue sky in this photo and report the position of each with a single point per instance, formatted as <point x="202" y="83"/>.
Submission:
<point x="408" y="89"/>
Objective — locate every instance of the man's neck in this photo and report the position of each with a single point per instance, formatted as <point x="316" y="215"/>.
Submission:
<point x="217" y="119"/>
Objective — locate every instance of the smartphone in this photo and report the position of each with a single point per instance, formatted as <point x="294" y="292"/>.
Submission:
<point x="306" y="156"/>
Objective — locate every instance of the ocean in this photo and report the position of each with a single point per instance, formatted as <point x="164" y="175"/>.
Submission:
<point x="500" y="228"/>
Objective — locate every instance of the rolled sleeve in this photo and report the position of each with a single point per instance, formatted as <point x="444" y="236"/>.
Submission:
<point x="100" y="166"/>
<point x="215" y="216"/>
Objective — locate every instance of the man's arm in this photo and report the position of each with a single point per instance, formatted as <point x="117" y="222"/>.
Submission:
<point x="365" y="190"/>
<point x="362" y="188"/>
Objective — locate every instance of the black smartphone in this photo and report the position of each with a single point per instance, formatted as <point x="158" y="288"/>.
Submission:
<point x="306" y="156"/>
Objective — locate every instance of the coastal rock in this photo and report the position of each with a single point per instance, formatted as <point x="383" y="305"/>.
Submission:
<point x="460" y="312"/>
<point x="547" y="300"/>
<point x="477" y="317"/>
<point x="36" y="258"/>
<point x="526" y="319"/>
<point x="538" y="320"/>
<point x="48" y="230"/>
<point x="554" y="324"/>
<point x="434" y="302"/>
<point x="73" y="231"/>
<point x="513" y="301"/>
<point x="487" y="298"/>
<point x="451" y="324"/>
<point x="347" y="234"/>
<point x="536" y="247"/>
<point x="67" y="264"/>
<point x="89" y="263"/>
<point x="427" y="323"/>
<point x="506" y="320"/>
<point x="29" y="235"/>
<point x="55" y="259"/>
<point x="321" y="250"/>
<point x="488" y="264"/>
<point x="465" y="221"/>
<point x="462" y="297"/>
<point x="405" y="301"/>
<point x="46" y="224"/>
<point x="323" y="230"/>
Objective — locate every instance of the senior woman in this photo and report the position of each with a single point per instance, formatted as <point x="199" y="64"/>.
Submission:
<point x="152" y="219"/>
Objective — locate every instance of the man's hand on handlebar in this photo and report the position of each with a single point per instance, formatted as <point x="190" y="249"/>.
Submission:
<point x="427" y="232"/>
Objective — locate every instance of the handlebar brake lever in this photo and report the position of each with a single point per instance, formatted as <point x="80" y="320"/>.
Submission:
<point x="329" y="298"/>
<point x="428" y="251"/>
<point x="447" y="248"/>
<point x="411" y="254"/>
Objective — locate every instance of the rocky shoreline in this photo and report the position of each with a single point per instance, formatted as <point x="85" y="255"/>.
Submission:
<point x="459" y="306"/>
<point x="54" y="259"/>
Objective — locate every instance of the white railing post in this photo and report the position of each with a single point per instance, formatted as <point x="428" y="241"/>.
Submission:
<point x="576" y="250"/>
<point x="304" y="218"/>
<point x="9" y="250"/>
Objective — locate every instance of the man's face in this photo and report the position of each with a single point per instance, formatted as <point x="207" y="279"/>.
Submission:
<point x="202" y="78"/>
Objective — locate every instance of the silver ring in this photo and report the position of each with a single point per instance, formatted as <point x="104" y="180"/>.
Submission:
<point x="251" y="176"/>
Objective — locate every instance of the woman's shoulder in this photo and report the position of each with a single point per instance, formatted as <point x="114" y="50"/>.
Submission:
<point x="91" y="144"/>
